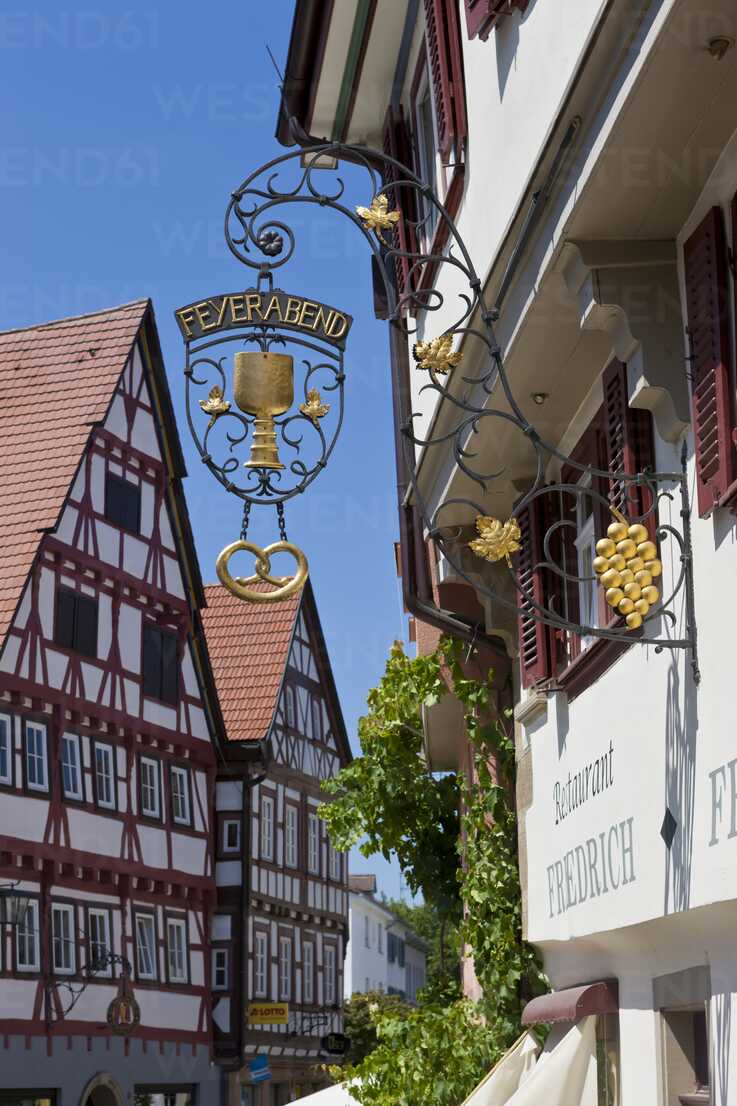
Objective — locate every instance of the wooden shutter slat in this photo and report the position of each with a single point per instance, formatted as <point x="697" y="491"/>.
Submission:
<point x="535" y="639"/>
<point x="397" y="144"/>
<point x="482" y="15"/>
<point x="445" y="62"/>
<point x="629" y="445"/>
<point x="705" y="267"/>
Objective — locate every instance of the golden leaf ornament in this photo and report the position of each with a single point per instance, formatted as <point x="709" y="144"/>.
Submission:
<point x="497" y="539"/>
<point x="214" y="405"/>
<point x="378" y="217"/>
<point x="437" y="354"/>
<point x="314" y="408"/>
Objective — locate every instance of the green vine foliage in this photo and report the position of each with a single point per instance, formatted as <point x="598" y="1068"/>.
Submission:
<point x="456" y="841"/>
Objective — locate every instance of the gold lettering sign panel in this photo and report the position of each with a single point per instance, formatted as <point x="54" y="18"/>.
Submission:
<point x="276" y="309"/>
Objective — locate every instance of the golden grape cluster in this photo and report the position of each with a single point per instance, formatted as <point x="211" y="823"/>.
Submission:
<point x="626" y="564"/>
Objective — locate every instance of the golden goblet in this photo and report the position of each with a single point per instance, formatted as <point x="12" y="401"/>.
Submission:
<point x="263" y="386"/>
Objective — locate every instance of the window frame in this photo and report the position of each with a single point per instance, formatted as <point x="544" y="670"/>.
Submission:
<point x="106" y="749"/>
<point x="177" y="923"/>
<point x="290" y="707"/>
<point x="334" y="864"/>
<point x="178" y="771"/>
<point x="157" y="694"/>
<point x="285" y="967"/>
<point x="33" y="912"/>
<point x="291" y="835"/>
<point x="308" y="972"/>
<point x="8" y="779"/>
<point x="224" y="951"/>
<point x="267" y="802"/>
<point x="366" y="931"/>
<point x="421" y="91"/>
<point x="78" y="597"/>
<point x="123" y="483"/>
<point x="71" y="740"/>
<point x="330" y="974"/>
<point x="99" y="912"/>
<point x="149" y="761"/>
<point x="36" y="788"/>
<point x="225" y="848"/>
<point x="260" y="945"/>
<point x="68" y="911"/>
<point x="318" y="733"/>
<point x="313" y="867"/>
<point x="143" y="916"/>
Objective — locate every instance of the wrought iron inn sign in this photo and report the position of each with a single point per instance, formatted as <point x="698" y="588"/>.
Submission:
<point x="266" y="431"/>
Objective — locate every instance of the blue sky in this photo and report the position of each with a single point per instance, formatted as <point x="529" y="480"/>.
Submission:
<point x="124" y="131"/>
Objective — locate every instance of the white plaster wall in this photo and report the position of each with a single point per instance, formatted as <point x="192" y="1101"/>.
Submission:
<point x="365" y="963"/>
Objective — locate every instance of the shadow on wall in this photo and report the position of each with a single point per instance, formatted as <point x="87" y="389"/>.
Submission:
<point x="722" y="1041"/>
<point x="681" y="723"/>
<point x="506" y="38"/>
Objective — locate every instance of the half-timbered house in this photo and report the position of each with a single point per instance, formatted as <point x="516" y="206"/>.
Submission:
<point x="107" y="762"/>
<point x="280" y="928"/>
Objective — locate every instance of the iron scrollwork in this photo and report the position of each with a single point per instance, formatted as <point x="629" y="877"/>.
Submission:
<point x="474" y="400"/>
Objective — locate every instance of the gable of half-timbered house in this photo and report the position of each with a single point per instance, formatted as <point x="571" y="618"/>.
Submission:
<point x="106" y="723"/>
<point x="282" y="880"/>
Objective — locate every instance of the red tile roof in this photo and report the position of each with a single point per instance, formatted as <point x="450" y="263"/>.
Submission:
<point x="248" y="645"/>
<point x="56" y="380"/>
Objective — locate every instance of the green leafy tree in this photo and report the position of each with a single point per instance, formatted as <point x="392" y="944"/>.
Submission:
<point x="435" y="1055"/>
<point x="387" y="799"/>
<point x="361" y="1013"/>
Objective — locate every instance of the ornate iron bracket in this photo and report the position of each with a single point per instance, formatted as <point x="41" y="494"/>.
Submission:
<point x="644" y="550"/>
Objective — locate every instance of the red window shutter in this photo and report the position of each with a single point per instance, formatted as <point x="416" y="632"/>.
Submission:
<point x="481" y="15"/>
<point x="397" y="144"/>
<point x="446" y="72"/>
<point x="629" y="445"/>
<point x="535" y="638"/>
<point x="705" y="264"/>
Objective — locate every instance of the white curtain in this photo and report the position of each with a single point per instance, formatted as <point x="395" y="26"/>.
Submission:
<point x="508" y="1075"/>
<point x="567" y="1075"/>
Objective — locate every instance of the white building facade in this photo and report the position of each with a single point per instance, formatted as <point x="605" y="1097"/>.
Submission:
<point x="383" y="953"/>
<point x="595" y="143"/>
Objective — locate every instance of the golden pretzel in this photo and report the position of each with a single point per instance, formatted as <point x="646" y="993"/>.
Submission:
<point x="284" y="586"/>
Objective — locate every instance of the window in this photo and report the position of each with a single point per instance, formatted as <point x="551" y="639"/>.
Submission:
<point x="220" y="969"/>
<point x="426" y="158"/>
<point x="231" y="835"/>
<point x="145" y="946"/>
<point x="260" y="963"/>
<point x="122" y="503"/>
<point x="400" y="952"/>
<point x="76" y="622"/>
<point x="176" y="949"/>
<point x="37" y="774"/>
<point x="334" y="863"/>
<point x="71" y="768"/>
<point x="160" y="665"/>
<point x="329" y="975"/>
<point x="308" y="972"/>
<point x="291" y="706"/>
<point x="267" y="827"/>
<point x="379" y="936"/>
<point x="63" y="946"/>
<point x="290" y="846"/>
<point x="98" y="941"/>
<point x="27" y="948"/>
<point x="285" y="968"/>
<point x="585" y="543"/>
<point x="150" y="795"/>
<point x="367" y="931"/>
<point x="317" y="720"/>
<point x="180" y="796"/>
<point x="313" y="843"/>
<point x="105" y="776"/>
<point x="6" y="749"/>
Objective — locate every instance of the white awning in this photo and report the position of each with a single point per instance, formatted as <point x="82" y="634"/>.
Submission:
<point x="567" y="1075"/>
<point x="496" y="1088"/>
<point x="331" y="1096"/>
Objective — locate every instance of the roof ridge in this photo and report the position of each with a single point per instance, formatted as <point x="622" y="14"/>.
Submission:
<point x="76" y="318"/>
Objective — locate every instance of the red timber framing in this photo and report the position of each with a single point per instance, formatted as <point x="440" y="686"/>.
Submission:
<point x="72" y="825"/>
<point x="285" y="890"/>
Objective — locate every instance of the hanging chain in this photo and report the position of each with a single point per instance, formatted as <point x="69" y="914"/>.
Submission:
<point x="244" y="524"/>
<point x="282" y="523"/>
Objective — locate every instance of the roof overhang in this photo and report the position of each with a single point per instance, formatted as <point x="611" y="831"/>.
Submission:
<point x="573" y="1003"/>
